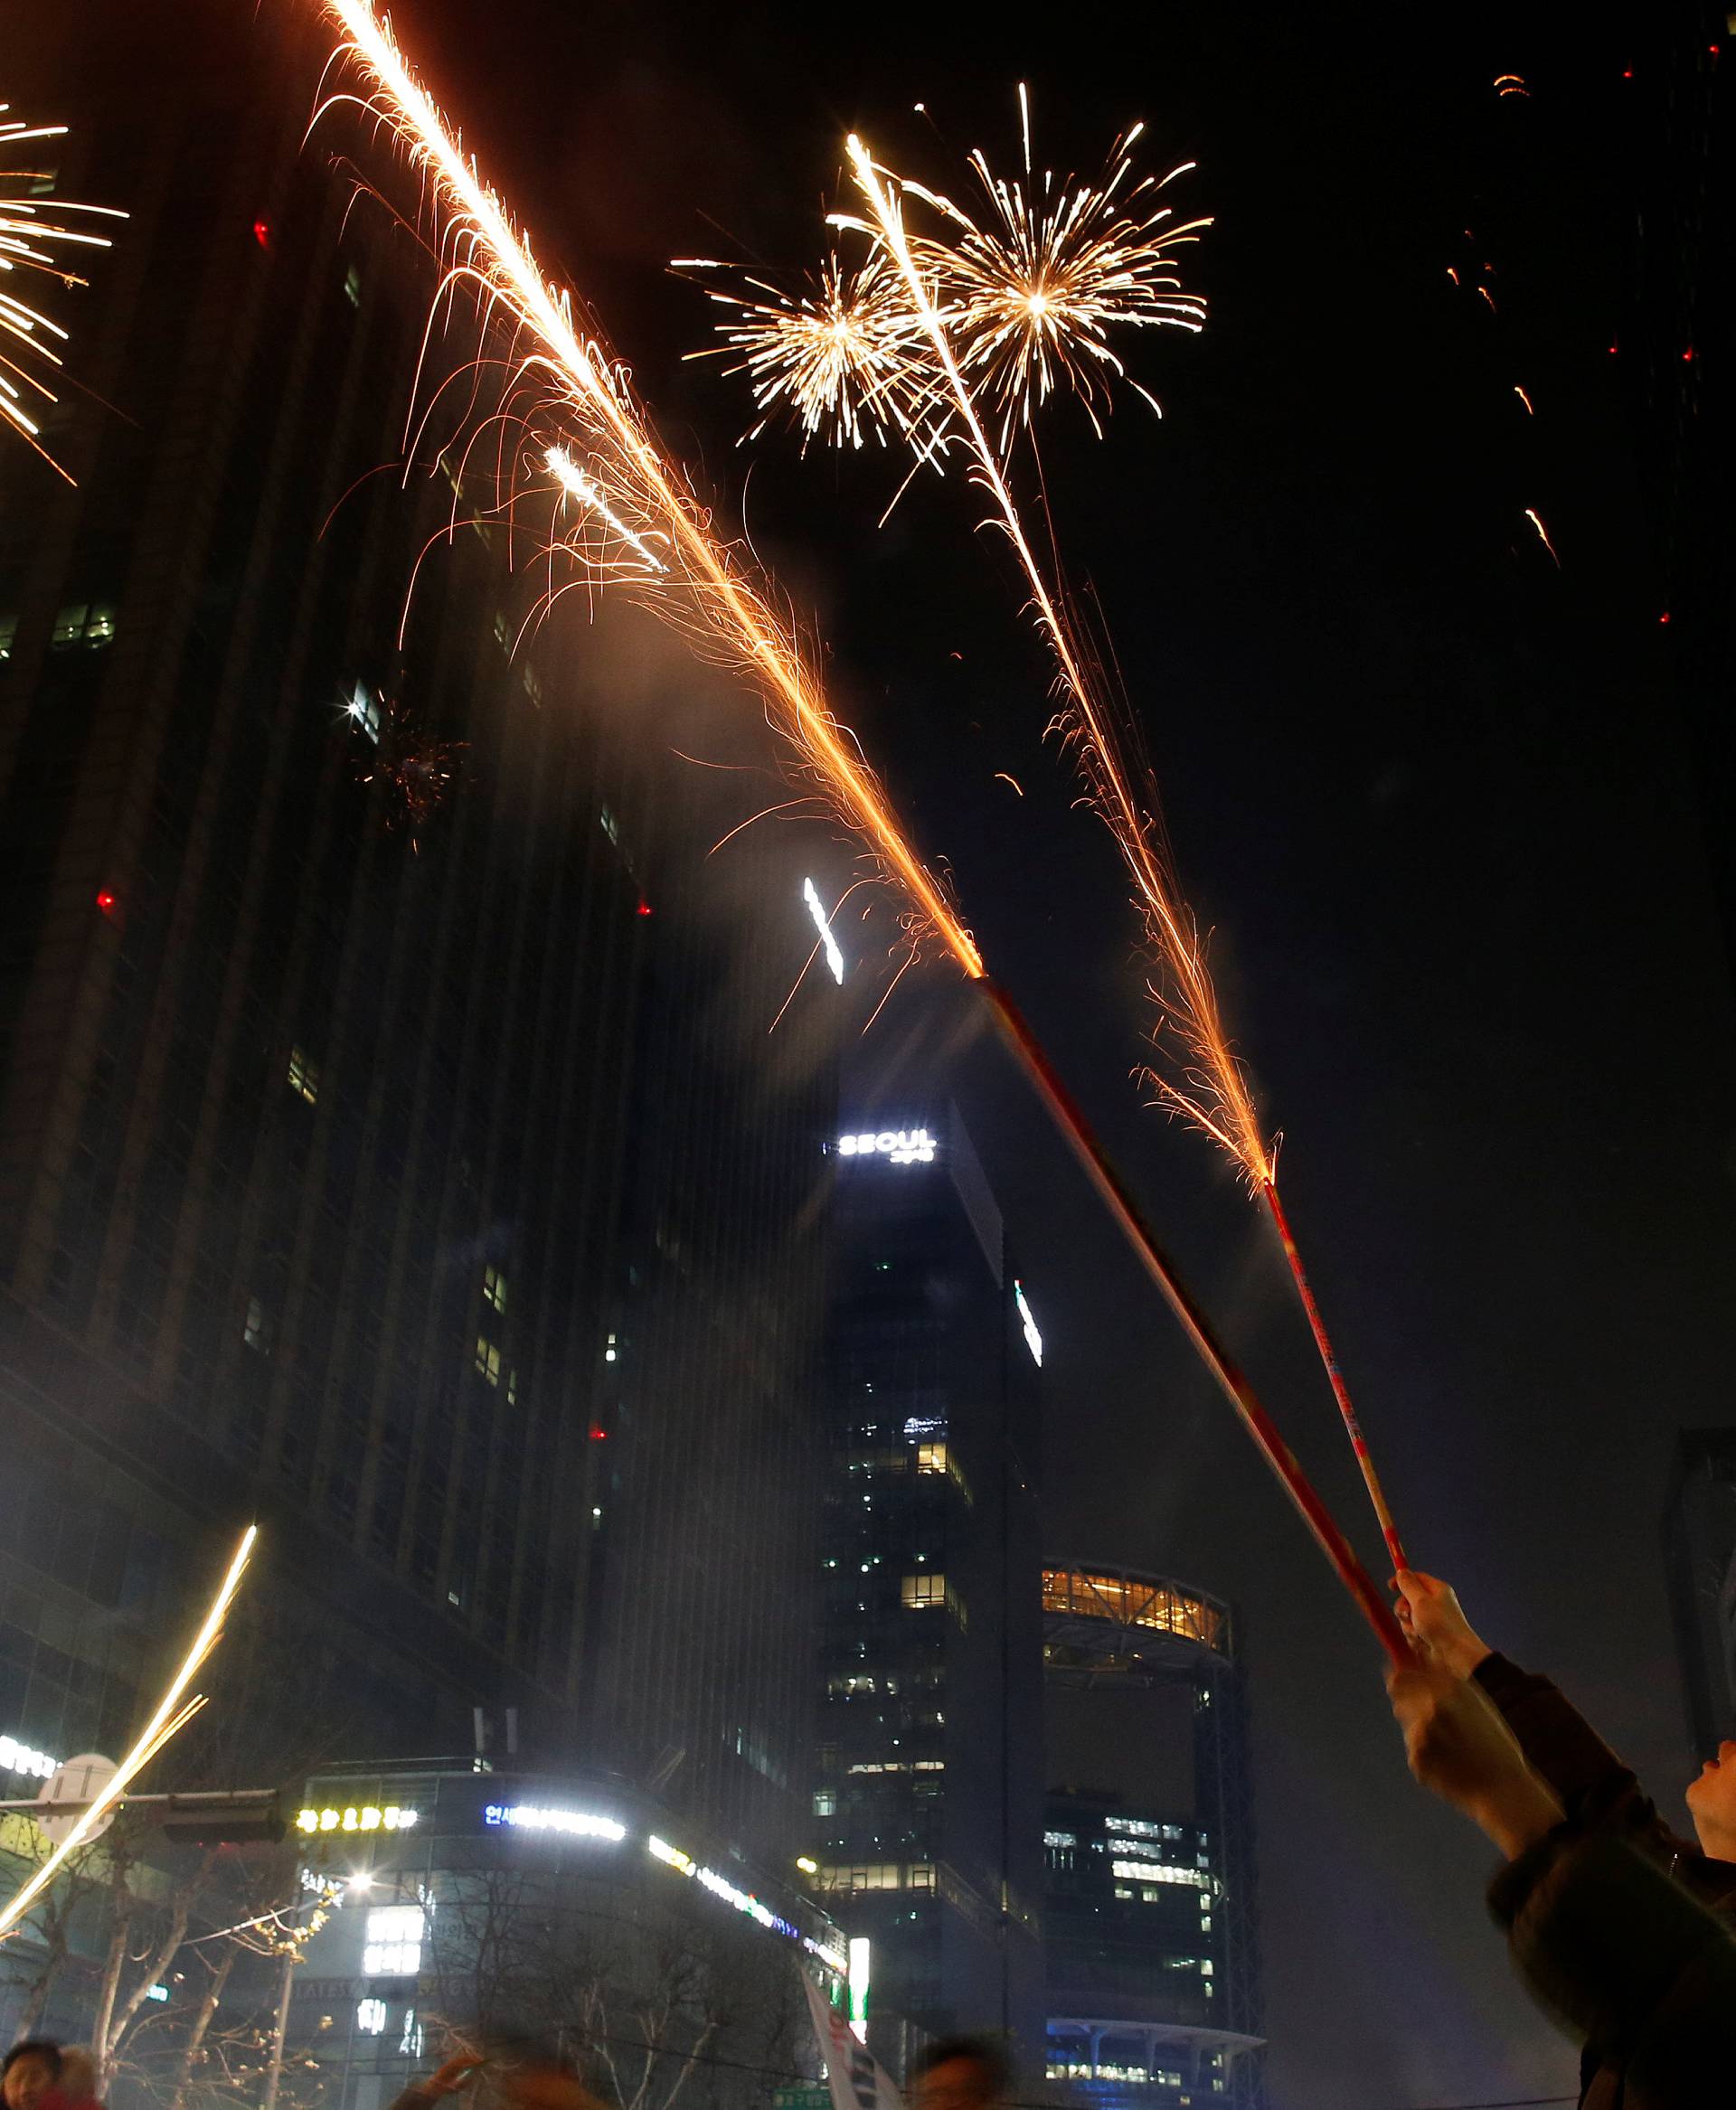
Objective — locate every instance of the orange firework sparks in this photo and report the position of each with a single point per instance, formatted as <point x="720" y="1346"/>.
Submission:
<point x="733" y="605"/>
<point x="30" y="230"/>
<point x="842" y="356"/>
<point x="1542" y="535"/>
<point x="1030" y="290"/>
<point x="1525" y="400"/>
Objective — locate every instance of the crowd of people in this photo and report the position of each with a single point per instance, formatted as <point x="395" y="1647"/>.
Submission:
<point x="38" y="2073"/>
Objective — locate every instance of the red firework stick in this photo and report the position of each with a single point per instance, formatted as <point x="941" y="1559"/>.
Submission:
<point x="1340" y="1391"/>
<point x="1233" y="1383"/>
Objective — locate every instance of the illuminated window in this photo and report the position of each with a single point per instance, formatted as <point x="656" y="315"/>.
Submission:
<point x="503" y="632"/>
<point x="304" y="1075"/>
<point x="494" y="1289"/>
<point x="930" y="1458"/>
<point x="8" y="631"/>
<point x="83" y="623"/>
<point x="890" y="1875"/>
<point x="533" y="683"/>
<point x="393" y="1942"/>
<point x="353" y="287"/>
<point x="920" y="1591"/>
<point x="370" y="2016"/>
<point x="825" y="1803"/>
<point x="611" y="827"/>
<point x="512" y="1398"/>
<point x="257" y="1329"/>
<point x="488" y="1359"/>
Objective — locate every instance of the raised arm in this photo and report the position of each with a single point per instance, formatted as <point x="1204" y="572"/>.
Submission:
<point x="1591" y="1782"/>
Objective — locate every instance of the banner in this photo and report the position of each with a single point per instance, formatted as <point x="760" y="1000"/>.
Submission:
<point x="858" y="2081"/>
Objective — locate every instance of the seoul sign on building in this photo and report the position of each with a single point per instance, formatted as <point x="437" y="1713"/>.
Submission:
<point x="903" y="1147"/>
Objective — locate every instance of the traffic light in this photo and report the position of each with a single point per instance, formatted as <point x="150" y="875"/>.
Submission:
<point x="239" y="1820"/>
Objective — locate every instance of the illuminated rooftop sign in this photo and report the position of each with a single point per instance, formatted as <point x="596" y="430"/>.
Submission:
<point x="358" y="1817"/>
<point x="575" y="1823"/>
<point x="815" y="909"/>
<point x="684" y="1864"/>
<point x="904" y="1146"/>
<point x="1032" y="1339"/>
<point x="18" y="1758"/>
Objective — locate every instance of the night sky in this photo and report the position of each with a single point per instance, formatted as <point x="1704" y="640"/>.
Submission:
<point x="1429" y="788"/>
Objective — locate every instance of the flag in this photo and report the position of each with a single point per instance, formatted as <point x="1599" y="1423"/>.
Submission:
<point x="859" y="2082"/>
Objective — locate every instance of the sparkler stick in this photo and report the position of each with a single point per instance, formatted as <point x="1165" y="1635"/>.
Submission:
<point x="733" y="607"/>
<point x="171" y="1715"/>
<point x="1216" y="1098"/>
<point x="1233" y="1384"/>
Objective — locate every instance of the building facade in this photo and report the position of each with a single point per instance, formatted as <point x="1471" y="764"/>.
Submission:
<point x="1150" y="1932"/>
<point x="356" y="967"/>
<point x="928" y="1796"/>
<point x="571" y="1908"/>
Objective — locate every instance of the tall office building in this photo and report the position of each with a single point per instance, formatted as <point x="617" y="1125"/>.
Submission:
<point x="352" y="985"/>
<point x="1700" y="1558"/>
<point x="1151" y="1946"/>
<point x="928" y="1791"/>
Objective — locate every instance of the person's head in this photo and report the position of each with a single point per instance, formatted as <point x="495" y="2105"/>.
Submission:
<point x="961" y="2073"/>
<point x="30" y="2070"/>
<point x="1711" y="1804"/>
<point x="526" y="2073"/>
<point x="78" y="2074"/>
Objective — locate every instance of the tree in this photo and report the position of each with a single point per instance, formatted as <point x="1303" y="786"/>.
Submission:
<point x="669" y="2002"/>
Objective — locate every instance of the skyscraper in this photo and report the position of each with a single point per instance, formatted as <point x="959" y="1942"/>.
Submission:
<point x="1151" y="1947"/>
<point x="928" y="1797"/>
<point x="354" y="979"/>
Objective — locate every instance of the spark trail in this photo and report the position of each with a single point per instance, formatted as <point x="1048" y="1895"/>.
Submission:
<point x="171" y="1717"/>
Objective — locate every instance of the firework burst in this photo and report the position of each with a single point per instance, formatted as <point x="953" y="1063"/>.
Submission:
<point x="415" y="771"/>
<point x="35" y="234"/>
<point x="1031" y="289"/>
<point x="843" y="356"/>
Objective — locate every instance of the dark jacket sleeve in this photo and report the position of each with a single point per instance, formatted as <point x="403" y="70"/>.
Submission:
<point x="1628" y="1961"/>
<point x="1593" y="1785"/>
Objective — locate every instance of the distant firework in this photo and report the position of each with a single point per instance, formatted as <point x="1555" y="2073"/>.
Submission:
<point x="32" y="229"/>
<point x="1031" y="286"/>
<point x="415" y="770"/>
<point x="842" y="356"/>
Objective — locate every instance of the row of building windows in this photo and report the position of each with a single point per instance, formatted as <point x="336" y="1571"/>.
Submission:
<point x="88" y="622"/>
<point x="887" y="1875"/>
